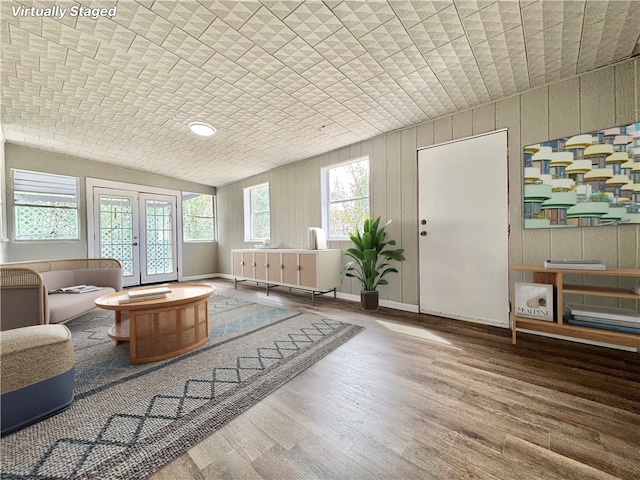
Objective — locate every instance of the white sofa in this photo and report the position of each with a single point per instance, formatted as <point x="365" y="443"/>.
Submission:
<point x="25" y="289"/>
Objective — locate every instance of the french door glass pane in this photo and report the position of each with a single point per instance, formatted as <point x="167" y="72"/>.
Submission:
<point x="159" y="237"/>
<point x="116" y="230"/>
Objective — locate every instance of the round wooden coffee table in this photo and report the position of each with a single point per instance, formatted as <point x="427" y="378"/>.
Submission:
<point x="164" y="327"/>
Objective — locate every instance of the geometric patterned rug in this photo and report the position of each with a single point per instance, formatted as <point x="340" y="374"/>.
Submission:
<point x="127" y="421"/>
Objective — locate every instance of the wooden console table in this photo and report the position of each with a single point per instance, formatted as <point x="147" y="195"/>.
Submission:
<point x="317" y="271"/>
<point x="555" y="277"/>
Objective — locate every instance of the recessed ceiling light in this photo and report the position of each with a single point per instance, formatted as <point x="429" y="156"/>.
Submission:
<point x="202" y="129"/>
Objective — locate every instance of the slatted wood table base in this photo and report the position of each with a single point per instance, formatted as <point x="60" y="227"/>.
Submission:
<point x="162" y="328"/>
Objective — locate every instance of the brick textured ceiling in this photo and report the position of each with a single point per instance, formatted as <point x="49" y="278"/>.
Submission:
<point x="280" y="80"/>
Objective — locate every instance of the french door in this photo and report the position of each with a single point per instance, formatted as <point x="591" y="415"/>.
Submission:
<point x="139" y="229"/>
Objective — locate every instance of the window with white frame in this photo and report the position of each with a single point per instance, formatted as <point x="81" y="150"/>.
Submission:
<point x="257" y="215"/>
<point x="45" y="206"/>
<point x="198" y="219"/>
<point x="345" y="197"/>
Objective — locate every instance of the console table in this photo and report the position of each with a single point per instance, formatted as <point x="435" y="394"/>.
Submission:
<point x="555" y="277"/>
<point x="317" y="271"/>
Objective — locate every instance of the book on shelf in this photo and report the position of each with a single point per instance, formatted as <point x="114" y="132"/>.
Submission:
<point x="602" y="312"/>
<point x="621" y="323"/>
<point x="603" y="326"/>
<point x="76" y="289"/>
<point x="568" y="264"/>
<point x="534" y="300"/>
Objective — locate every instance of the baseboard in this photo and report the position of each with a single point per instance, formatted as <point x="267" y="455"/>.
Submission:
<point x="479" y="321"/>
<point x="192" y="278"/>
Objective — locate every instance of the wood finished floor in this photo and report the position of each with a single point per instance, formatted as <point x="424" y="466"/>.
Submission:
<point x="420" y="397"/>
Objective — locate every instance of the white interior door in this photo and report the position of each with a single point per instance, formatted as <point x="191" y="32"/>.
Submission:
<point x="464" y="243"/>
<point x="139" y="229"/>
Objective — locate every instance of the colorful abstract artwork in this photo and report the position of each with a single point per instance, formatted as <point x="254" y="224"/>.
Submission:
<point x="591" y="179"/>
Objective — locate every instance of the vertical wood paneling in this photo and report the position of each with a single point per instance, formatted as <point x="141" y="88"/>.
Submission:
<point x="564" y="109"/>
<point x="462" y="124"/>
<point x="625" y="93"/>
<point x="534" y="119"/>
<point x="378" y="185"/>
<point x="425" y="134"/>
<point x="484" y="119"/>
<point x="601" y="244"/>
<point x="566" y="244"/>
<point x="394" y="205"/>
<point x="597" y="100"/>
<point x="442" y="130"/>
<point x="409" y="218"/>
<point x="508" y="116"/>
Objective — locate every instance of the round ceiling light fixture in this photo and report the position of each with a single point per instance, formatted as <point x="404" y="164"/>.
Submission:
<point x="202" y="129"/>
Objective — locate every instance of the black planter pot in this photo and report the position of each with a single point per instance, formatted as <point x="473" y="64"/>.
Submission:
<point x="369" y="301"/>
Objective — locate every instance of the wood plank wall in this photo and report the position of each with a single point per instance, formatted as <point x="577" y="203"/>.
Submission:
<point x="603" y="98"/>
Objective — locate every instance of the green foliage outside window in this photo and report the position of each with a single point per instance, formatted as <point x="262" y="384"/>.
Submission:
<point x="46" y="223"/>
<point x="197" y="217"/>
<point x="260" y="215"/>
<point x="348" y="197"/>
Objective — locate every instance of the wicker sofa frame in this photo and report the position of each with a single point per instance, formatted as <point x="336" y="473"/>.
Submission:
<point x="24" y="288"/>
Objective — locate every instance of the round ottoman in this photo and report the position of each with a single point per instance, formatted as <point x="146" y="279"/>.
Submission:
<point x="37" y="369"/>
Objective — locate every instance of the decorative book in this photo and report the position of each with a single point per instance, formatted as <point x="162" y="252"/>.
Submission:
<point x="575" y="264"/>
<point x="534" y="300"/>
<point x="76" y="289"/>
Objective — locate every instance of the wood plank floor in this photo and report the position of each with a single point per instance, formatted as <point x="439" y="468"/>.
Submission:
<point x="420" y="397"/>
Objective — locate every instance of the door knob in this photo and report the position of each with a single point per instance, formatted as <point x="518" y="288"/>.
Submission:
<point x="423" y="233"/>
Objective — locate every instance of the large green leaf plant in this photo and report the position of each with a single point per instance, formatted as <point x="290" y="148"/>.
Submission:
<point x="371" y="254"/>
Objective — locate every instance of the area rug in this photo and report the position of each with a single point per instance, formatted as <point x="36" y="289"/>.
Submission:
<point x="127" y="421"/>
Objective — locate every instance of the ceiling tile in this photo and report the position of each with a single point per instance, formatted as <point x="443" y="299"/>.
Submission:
<point x="437" y="30"/>
<point x="313" y="21"/>
<point x="267" y="31"/>
<point x="362" y="17"/>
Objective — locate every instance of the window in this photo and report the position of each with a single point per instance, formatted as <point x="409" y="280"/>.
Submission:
<point x="345" y="197"/>
<point x="257" y="217"/>
<point x="198" y="222"/>
<point x="45" y="206"/>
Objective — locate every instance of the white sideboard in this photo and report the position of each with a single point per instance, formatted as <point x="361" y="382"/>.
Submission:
<point x="317" y="271"/>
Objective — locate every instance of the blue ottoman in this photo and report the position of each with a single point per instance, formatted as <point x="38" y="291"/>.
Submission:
<point x="37" y="374"/>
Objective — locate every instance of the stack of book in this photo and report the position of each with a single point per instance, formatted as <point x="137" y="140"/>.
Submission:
<point x="143" y="294"/>
<point x="575" y="264"/>
<point x="609" y="318"/>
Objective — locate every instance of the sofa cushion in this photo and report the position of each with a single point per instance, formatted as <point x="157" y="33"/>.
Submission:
<point x="58" y="279"/>
<point x="32" y="354"/>
<point x="65" y="306"/>
<point x="103" y="277"/>
<point x="37" y="374"/>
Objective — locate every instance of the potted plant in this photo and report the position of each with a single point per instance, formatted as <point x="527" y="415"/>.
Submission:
<point x="371" y="254"/>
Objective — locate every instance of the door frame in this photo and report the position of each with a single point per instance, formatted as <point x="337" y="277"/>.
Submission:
<point x="92" y="183"/>
<point x="507" y="233"/>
